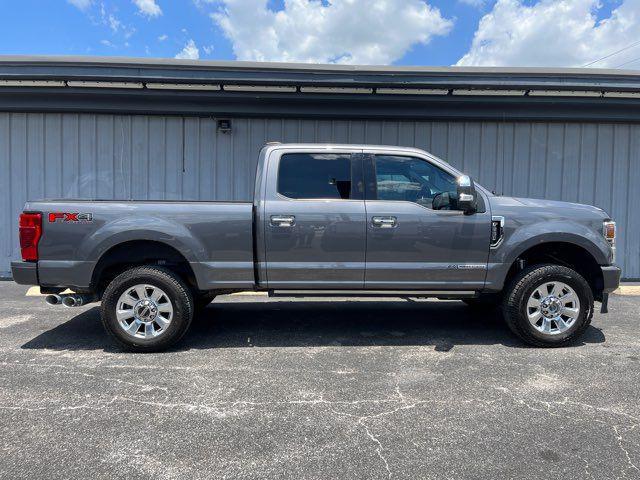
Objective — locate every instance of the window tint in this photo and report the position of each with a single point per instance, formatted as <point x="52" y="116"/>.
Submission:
<point x="304" y="175"/>
<point x="411" y="179"/>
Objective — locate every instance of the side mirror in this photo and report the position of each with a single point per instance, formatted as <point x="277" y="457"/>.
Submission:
<point x="467" y="196"/>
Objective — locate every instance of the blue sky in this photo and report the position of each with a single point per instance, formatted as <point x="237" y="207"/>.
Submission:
<point x="403" y="32"/>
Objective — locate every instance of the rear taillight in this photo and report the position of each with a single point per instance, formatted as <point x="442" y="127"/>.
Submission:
<point x="30" y="233"/>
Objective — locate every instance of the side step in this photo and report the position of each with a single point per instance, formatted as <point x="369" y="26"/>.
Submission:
<point x="443" y="294"/>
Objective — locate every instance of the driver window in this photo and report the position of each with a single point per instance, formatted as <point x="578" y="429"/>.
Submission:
<point x="411" y="179"/>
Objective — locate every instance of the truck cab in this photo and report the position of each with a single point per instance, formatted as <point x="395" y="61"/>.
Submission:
<point x="374" y="218"/>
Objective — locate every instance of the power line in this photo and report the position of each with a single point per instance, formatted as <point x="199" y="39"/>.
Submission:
<point x="612" y="54"/>
<point x="627" y="63"/>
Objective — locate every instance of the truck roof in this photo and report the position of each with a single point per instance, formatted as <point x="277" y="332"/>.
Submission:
<point x="349" y="146"/>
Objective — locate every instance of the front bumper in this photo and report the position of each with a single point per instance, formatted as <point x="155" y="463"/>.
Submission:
<point x="25" y="273"/>
<point x="610" y="277"/>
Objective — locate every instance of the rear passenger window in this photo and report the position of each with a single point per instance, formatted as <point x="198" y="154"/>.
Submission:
<point x="315" y="175"/>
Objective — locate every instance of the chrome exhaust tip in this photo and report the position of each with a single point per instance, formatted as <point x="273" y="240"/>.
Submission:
<point x="77" y="300"/>
<point x="53" y="299"/>
<point x="70" y="301"/>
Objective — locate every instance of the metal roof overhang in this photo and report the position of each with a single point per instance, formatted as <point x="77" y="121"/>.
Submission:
<point x="179" y="87"/>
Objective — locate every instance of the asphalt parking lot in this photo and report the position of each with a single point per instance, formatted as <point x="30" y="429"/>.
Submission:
<point x="317" y="389"/>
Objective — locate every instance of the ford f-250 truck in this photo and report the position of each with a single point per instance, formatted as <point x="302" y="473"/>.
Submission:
<point x="326" y="220"/>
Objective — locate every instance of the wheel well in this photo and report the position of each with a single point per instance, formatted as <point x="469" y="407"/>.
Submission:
<point x="135" y="253"/>
<point x="562" y="253"/>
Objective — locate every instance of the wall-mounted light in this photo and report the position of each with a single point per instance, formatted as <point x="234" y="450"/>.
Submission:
<point x="224" y="125"/>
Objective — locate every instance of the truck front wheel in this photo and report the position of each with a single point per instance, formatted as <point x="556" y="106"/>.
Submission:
<point x="147" y="309"/>
<point x="548" y="305"/>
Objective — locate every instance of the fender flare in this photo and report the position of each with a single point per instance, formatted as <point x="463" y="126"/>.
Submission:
<point x="557" y="237"/>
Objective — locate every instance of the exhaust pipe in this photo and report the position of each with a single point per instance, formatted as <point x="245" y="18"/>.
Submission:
<point x="53" y="299"/>
<point x="75" y="300"/>
<point x="69" y="301"/>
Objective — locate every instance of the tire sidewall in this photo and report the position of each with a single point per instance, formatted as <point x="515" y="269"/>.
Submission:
<point x="579" y="286"/>
<point x="182" y="309"/>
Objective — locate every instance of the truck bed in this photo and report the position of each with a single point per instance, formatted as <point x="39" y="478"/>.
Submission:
<point x="215" y="238"/>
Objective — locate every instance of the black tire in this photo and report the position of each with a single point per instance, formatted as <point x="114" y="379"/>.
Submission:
<point x="174" y="288"/>
<point x="522" y="287"/>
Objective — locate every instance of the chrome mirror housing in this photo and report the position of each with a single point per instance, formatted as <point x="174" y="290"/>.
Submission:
<point x="467" y="195"/>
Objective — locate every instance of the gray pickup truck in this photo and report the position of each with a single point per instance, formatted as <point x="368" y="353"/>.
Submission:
<point x="326" y="220"/>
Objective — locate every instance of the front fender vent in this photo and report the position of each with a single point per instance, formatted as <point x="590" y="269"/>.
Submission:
<point x="497" y="231"/>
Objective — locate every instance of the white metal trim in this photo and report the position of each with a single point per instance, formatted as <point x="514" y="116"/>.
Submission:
<point x="88" y="84"/>
<point x="564" y="93"/>
<point x="489" y="93"/>
<point x="182" y="86"/>
<point x="32" y="83"/>
<point x="622" y="94"/>
<point x="412" y="91"/>
<point x="336" y="90"/>
<point x="260" y="88"/>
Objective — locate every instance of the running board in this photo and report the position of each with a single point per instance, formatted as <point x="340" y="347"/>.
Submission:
<point x="445" y="294"/>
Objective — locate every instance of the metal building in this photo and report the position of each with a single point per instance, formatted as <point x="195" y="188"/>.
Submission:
<point x="166" y="129"/>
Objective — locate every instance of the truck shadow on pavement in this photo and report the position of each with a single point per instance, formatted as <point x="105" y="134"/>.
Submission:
<point x="442" y="325"/>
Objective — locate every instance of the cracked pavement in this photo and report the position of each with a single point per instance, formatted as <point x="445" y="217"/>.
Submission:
<point x="268" y="388"/>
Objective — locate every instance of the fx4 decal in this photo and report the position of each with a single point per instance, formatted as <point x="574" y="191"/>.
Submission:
<point x="72" y="217"/>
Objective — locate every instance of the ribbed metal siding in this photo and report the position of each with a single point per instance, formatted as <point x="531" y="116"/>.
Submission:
<point x="144" y="157"/>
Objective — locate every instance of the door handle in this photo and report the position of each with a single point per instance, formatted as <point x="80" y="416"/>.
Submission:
<point x="384" y="222"/>
<point x="283" y="220"/>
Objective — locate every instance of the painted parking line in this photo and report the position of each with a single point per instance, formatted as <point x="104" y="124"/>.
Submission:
<point x="35" y="292"/>
<point x="631" y="290"/>
<point x="250" y="293"/>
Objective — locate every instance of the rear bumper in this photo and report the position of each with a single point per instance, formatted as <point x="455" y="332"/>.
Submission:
<point x="25" y="273"/>
<point x="611" y="278"/>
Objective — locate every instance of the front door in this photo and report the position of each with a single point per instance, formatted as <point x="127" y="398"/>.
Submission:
<point x="409" y="244"/>
<point x="315" y="220"/>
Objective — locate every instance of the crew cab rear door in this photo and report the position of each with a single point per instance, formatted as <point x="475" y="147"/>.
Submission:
<point x="409" y="244"/>
<point x="314" y="219"/>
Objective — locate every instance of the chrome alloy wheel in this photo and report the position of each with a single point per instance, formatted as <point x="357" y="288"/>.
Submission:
<point x="144" y="311"/>
<point x="553" y="308"/>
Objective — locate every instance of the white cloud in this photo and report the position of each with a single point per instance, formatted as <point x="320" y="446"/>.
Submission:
<point x="474" y="3"/>
<point x="554" y="33"/>
<point x="81" y="4"/>
<point x="338" y="31"/>
<point x="204" y="3"/>
<point x="148" y="7"/>
<point x="189" y="52"/>
<point x="208" y="49"/>
<point x="114" y="23"/>
<point x="163" y="37"/>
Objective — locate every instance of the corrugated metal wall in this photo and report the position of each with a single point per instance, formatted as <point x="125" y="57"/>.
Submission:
<point x="140" y="157"/>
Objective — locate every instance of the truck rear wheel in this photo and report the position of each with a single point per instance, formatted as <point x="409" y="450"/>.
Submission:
<point x="548" y="305"/>
<point x="147" y="309"/>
